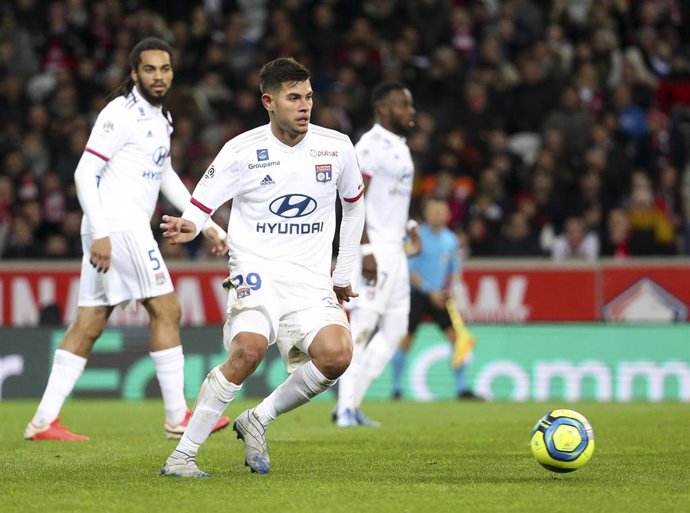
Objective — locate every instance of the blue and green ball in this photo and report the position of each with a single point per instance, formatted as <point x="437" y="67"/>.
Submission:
<point x="562" y="441"/>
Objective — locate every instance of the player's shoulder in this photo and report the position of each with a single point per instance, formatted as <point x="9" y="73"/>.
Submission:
<point x="247" y="141"/>
<point x="121" y="106"/>
<point x="320" y="132"/>
<point x="116" y="116"/>
<point x="373" y="137"/>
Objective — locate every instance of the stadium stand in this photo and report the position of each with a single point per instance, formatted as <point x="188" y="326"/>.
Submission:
<point x="529" y="112"/>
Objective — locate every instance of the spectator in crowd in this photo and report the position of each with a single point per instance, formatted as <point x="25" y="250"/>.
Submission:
<point x="6" y="203"/>
<point x="651" y="231"/>
<point x="573" y="121"/>
<point x="632" y="120"/>
<point x="668" y="197"/>
<point x="615" y="242"/>
<point x="673" y="92"/>
<point x="531" y="99"/>
<point x="22" y="243"/>
<point x="575" y="242"/>
<point x="518" y="238"/>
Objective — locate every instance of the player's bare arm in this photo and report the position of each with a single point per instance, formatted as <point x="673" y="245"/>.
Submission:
<point x="101" y="251"/>
<point x="369" y="266"/>
<point x="414" y="245"/>
<point x="178" y="230"/>
<point x="344" y="293"/>
<point x="438" y="299"/>
<point x="219" y="240"/>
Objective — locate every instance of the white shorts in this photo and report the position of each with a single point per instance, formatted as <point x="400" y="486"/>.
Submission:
<point x="391" y="294"/>
<point x="137" y="271"/>
<point x="288" y="314"/>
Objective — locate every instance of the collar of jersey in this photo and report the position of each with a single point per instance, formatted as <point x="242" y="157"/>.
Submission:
<point x="139" y="98"/>
<point x="388" y="133"/>
<point x="282" y="145"/>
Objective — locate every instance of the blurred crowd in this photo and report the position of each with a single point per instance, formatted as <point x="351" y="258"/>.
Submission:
<point x="555" y="128"/>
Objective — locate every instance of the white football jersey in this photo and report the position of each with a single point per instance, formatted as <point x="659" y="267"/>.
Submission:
<point x="133" y="137"/>
<point x="385" y="158"/>
<point x="283" y="209"/>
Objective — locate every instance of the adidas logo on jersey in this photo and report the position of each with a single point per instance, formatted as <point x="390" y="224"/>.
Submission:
<point x="267" y="180"/>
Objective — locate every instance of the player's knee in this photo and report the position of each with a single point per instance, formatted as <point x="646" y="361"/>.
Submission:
<point x="246" y="352"/>
<point x="173" y="314"/>
<point x="335" y="360"/>
<point x="341" y="361"/>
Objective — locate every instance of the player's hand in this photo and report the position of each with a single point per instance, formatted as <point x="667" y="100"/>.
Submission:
<point x="438" y="299"/>
<point x="413" y="246"/>
<point x="100" y="254"/>
<point x="177" y="230"/>
<point x="344" y="293"/>
<point x="369" y="269"/>
<point x="220" y="243"/>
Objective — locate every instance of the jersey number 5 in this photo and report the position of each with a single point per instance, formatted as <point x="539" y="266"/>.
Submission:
<point x="154" y="259"/>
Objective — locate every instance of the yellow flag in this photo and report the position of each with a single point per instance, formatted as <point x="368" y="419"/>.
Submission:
<point x="464" y="340"/>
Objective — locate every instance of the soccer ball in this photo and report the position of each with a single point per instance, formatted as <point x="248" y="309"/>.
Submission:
<point x="562" y="441"/>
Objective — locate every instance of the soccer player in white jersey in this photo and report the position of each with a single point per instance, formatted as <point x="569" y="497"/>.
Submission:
<point x="125" y="165"/>
<point x="283" y="178"/>
<point x="383" y="304"/>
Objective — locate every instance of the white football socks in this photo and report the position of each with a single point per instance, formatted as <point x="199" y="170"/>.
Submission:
<point x="300" y="386"/>
<point x="362" y="325"/>
<point x="67" y="367"/>
<point x="376" y="356"/>
<point x="169" y="365"/>
<point x="215" y="394"/>
<point x="347" y="383"/>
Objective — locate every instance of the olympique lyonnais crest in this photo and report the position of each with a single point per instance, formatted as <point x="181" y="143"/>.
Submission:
<point x="324" y="172"/>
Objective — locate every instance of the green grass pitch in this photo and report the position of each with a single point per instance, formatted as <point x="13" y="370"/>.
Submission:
<point x="432" y="457"/>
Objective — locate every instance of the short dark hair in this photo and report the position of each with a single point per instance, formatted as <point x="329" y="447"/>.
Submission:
<point x="283" y="69"/>
<point x="382" y="89"/>
<point x="149" y="43"/>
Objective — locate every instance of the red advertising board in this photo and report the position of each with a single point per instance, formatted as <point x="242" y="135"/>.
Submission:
<point x="496" y="294"/>
<point x="493" y="292"/>
<point x="657" y="291"/>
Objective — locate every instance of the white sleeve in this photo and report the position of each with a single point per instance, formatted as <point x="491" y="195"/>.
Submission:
<point x="367" y="157"/>
<point x="86" y="180"/>
<point x="176" y="191"/>
<point x="173" y="189"/>
<point x="351" y="228"/>
<point x="110" y="132"/>
<point x="220" y="183"/>
<point x="350" y="183"/>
